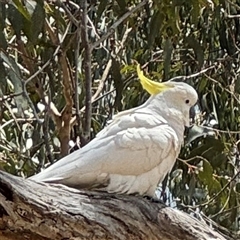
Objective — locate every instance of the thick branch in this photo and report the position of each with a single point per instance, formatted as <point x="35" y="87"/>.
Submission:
<point x="66" y="115"/>
<point x="40" y="211"/>
<point x="88" y="74"/>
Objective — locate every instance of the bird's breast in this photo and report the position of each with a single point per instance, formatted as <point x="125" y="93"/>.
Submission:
<point x="143" y="184"/>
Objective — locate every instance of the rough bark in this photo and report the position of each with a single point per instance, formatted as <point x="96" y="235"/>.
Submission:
<point x="31" y="210"/>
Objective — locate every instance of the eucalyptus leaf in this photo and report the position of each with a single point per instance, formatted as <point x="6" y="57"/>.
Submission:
<point x="15" y="78"/>
<point x="198" y="131"/>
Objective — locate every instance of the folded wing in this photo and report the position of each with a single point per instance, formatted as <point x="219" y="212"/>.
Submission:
<point x="118" y="152"/>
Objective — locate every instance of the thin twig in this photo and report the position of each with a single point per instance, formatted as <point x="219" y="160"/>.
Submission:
<point x="225" y="89"/>
<point x="40" y="70"/>
<point x="64" y="131"/>
<point x="233" y="4"/>
<point x="25" y="94"/>
<point x="73" y="120"/>
<point x="109" y="64"/>
<point x="221" y="131"/>
<point x="117" y="23"/>
<point x="52" y="57"/>
<point x="103" y="79"/>
<point x="233" y="16"/>
<point x="78" y="37"/>
<point x="46" y="136"/>
<point x="12" y="114"/>
<point x="216" y="195"/>
<point x="69" y="14"/>
<point x="184" y="78"/>
<point x="9" y="96"/>
<point x="17" y="120"/>
<point x="55" y="114"/>
<point x="91" y="25"/>
<point x="95" y="97"/>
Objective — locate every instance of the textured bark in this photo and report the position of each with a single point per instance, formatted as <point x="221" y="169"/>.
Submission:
<point x="38" y="211"/>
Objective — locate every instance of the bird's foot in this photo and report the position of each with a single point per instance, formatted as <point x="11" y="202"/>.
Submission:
<point x="154" y="199"/>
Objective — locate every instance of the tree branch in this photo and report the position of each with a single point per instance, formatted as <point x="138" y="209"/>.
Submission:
<point x="76" y="55"/>
<point x="64" y="131"/>
<point x="62" y="120"/>
<point x="88" y="74"/>
<point x="42" y="211"/>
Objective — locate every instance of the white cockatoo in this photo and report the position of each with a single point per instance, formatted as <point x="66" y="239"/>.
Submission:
<point x="133" y="154"/>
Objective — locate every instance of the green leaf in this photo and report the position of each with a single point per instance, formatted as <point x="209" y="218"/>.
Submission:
<point x="219" y="161"/>
<point x="3" y="42"/>
<point x="238" y="188"/>
<point x="30" y="5"/>
<point x="2" y="15"/>
<point x="196" y="132"/>
<point x="197" y="48"/>
<point x="206" y="174"/>
<point x="15" y="77"/>
<point x="2" y="78"/>
<point x="237" y="84"/>
<point x="195" y="11"/>
<point x="16" y="19"/>
<point x="37" y="21"/>
<point x="121" y="4"/>
<point x="101" y="8"/>
<point x="155" y="26"/>
<point x="192" y="185"/>
<point x="21" y="9"/>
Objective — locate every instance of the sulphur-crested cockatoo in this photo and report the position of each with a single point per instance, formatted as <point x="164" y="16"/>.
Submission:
<point x="133" y="154"/>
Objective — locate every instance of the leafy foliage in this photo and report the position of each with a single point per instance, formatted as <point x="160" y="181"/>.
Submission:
<point x="45" y="54"/>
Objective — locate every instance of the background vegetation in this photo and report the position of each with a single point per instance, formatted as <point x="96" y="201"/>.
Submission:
<point x="67" y="66"/>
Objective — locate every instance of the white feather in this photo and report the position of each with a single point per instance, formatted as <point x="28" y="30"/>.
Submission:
<point x="134" y="152"/>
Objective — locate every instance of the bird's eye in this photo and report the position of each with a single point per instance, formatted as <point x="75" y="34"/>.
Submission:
<point x="187" y="101"/>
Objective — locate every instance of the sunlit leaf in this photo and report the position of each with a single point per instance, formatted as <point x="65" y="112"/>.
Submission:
<point x="21" y="9"/>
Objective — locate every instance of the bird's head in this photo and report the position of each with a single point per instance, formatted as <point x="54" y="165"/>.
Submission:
<point x="176" y="95"/>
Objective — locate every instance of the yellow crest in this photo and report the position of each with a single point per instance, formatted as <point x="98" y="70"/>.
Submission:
<point x="150" y="86"/>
